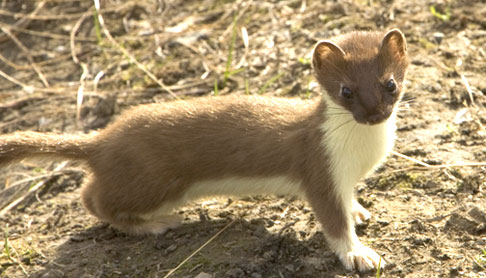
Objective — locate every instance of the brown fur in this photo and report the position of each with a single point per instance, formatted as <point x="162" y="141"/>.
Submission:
<point x="153" y="153"/>
<point x="355" y="60"/>
<point x="181" y="143"/>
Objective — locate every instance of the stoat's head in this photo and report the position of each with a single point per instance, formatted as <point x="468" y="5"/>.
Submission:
<point x="363" y="72"/>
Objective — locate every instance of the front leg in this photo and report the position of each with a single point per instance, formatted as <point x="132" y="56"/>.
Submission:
<point x="334" y="211"/>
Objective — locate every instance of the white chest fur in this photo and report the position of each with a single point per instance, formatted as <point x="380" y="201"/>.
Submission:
<point x="354" y="149"/>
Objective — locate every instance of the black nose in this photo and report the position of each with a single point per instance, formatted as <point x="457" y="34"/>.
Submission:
<point x="377" y="118"/>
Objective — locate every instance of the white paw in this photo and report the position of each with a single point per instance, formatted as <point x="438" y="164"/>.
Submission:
<point x="360" y="214"/>
<point x="361" y="258"/>
<point x="156" y="226"/>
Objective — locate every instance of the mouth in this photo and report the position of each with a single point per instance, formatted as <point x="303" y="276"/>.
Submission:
<point x="372" y="119"/>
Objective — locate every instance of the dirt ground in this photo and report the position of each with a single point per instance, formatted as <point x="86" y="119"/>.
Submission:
<point x="427" y="221"/>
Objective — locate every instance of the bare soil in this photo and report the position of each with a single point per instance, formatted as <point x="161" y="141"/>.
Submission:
<point x="427" y="221"/>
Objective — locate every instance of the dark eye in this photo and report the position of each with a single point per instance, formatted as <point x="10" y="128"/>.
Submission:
<point x="346" y="93"/>
<point x="391" y="86"/>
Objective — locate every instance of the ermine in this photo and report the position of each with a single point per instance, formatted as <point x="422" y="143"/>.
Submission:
<point x="157" y="157"/>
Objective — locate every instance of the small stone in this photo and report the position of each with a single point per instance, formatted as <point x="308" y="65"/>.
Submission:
<point x="204" y="275"/>
<point x="269" y="255"/>
<point x="480" y="229"/>
<point x="431" y="184"/>
<point x="424" y="241"/>
<point x="459" y="222"/>
<point x="170" y="249"/>
<point x="53" y="273"/>
<point x="477" y="214"/>
<point x="77" y="238"/>
<point x="256" y="275"/>
<point x="223" y="214"/>
<point x="235" y="273"/>
<point x="438" y="36"/>
<point x="260" y="231"/>
<point x="454" y="271"/>
<point x="417" y="225"/>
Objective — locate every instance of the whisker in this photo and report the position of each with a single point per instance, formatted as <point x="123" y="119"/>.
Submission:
<point x="335" y="114"/>
<point x="406" y="102"/>
<point x="335" y="107"/>
<point x="347" y="138"/>
<point x="338" y="127"/>
<point x="403" y="109"/>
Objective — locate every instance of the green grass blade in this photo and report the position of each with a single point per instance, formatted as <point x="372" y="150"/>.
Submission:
<point x="97" y="26"/>
<point x="216" y="90"/>
<point x="378" y="269"/>
<point x="229" y="59"/>
<point x="441" y="16"/>
<point x="269" y="82"/>
<point x="6" y="246"/>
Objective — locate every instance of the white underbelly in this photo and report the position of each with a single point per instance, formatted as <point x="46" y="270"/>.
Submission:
<point x="234" y="186"/>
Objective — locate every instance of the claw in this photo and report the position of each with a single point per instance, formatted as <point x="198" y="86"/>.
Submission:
<point x="360" y="214"/>
<point x="363" y="259"/>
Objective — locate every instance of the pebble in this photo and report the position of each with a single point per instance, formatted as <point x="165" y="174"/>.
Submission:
<point x="460" y="222"/>
<point x="438" y="36"/>
<point x="53" y="273"/>
<point x="235" y="273"/>
<point x="477" y="214"/>
<point x="480" y="229"/>
<point x="170" y="249"/>
<point x="204" y="275"/>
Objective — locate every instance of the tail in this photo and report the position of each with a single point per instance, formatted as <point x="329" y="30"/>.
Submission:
<point x="19" y="145"/>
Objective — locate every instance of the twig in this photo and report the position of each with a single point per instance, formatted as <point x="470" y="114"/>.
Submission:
<point x="428" y="166"/>
<point x="24" y="21"/>
<point x="126" y="53"/>
<point x="72" y="35"/>
<point x="26" y="87"/>
<point x="31" y="191"/>
<point x="476" y="261"/>
<point x="11" y="64"/>
<point x="237" y="17"/>
<point x="199" y="249"/>
<point x="6" y="30"/>
<point x="465" y="164"/>
<point x="468" y="88"/>
<point x="19" y="263"/>
<point x="15" y="104"/>
<point x="44" y="34"/>
<point x="80" y="94"/>
<point x="96" y="80"/>
<point x="246" y="43"/>
<point x="31" y="89"/>
<point x="303" y="6"/>
<point x="34" y="16"/>
<point x="41" y="63"/>
<point x="434" y="167"/>
<point x="411" y="159"/>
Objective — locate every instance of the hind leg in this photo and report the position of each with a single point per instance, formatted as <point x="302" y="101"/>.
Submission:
<point x="88" y="190"/>
<point x="121" y="213"/>
<point x="140" y="226"/>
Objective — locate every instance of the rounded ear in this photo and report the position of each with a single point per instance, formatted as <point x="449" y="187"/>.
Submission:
<point x="394" y="43"/>
<point x="326" y="52"/>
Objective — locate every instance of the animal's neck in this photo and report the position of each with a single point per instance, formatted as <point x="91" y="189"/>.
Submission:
<point x="353" y="149"/>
